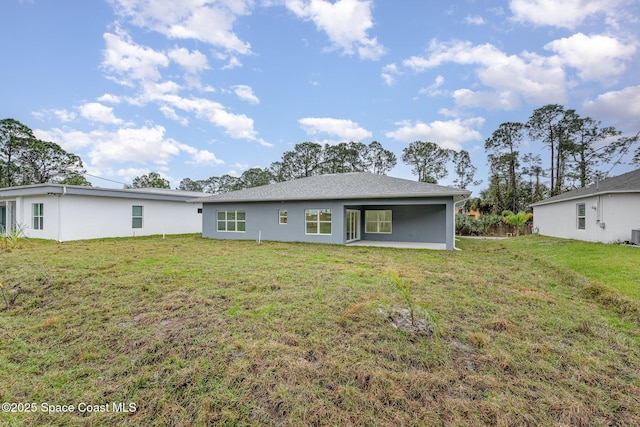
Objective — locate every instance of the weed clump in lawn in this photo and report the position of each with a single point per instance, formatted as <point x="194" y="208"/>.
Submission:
<point x="412" y="318"/>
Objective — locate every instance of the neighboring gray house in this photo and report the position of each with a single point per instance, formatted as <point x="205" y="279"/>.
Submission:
<point x="338" y="209"/>
<point x="604" y="212"/>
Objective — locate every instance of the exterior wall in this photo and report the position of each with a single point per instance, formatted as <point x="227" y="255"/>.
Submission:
<point x="262" y="221"/>
<point x="72" y="217"/>
<point x="410" y="223"/>
<point x="618" y="213"/>
<point x="422" y="220"/>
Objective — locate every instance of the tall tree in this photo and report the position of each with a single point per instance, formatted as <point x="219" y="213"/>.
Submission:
<point x="543" y="126"/>
<point x="304" y="160"/>
<point x="228" y="183"/>
<point x="256" y="177"/>
<point x="150" y="180"/>
<point x="503" y="144"/>
<point x="379" y="160"/>
<point x="43" y="161"/>
<point x="464" y="169"/>
<point x="187" y="184"/>
<point x="533" y="169"/>
<point x="555" y="127"/>
<point x="14" y="136"/>
<point x="427" y="159"/>
<point x="588" y="151"/>
<point x="24" y="159"/>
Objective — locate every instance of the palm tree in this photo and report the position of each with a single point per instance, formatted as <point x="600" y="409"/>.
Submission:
<point x="517" y="220"/>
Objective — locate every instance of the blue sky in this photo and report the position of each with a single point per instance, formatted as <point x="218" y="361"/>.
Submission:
<point x="197" y="88"/>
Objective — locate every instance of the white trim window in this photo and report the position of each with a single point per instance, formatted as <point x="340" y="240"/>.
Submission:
<point x="232" y="221"/>
<point x="38" y="216"/>
<point x="282" y="216"/>
<point x="377" y="222"/>
<point x="317" y="221"/>
<point x="581" y="215"/>
<point x="136" y="216"/>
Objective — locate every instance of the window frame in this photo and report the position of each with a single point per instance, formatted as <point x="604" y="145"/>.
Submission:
<point x="581" y="220"/>
<point x="318" y="222"/>
<point x="283" y="216"/>
<point x="37" y="216"/>
<point x="135" y="218"/>
<point x="377" y="221"/>
<point x="231" y="219"/>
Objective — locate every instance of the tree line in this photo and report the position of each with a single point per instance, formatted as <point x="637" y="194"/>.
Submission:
<point x="429" y="161"/>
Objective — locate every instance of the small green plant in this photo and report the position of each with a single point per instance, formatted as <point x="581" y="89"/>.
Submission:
<point x="405" y="290"/>
<point x="12" y="236"/>
<point x="518" y="220"/>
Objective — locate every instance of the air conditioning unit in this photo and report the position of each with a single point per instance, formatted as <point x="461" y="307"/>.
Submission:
<point x="635" y="237"/>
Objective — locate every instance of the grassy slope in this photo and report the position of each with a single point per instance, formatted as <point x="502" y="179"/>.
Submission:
<point x="616" y="266"/>
<point x="198" y="331"/>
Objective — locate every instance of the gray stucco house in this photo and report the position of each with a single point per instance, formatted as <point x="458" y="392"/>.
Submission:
<point x="607" y="211"/>
<point x="337" y="209"/>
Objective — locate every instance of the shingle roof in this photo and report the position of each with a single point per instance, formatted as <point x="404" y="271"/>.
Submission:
<point x="625" y="183"/>
<point x="357" y="185"/>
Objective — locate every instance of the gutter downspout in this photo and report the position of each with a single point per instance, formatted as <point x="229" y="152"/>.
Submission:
<point x="454" y="221"/>
<point x="64" y="192"/>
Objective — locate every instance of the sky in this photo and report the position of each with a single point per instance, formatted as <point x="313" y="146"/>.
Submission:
<point x="201" y="88"/>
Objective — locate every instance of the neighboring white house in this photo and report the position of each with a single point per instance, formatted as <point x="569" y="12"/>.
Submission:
<point x="604" y="212"/>
<point x="68" y="212"/>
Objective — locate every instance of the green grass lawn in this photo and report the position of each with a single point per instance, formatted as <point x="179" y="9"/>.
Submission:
<point x="203" y="332"/>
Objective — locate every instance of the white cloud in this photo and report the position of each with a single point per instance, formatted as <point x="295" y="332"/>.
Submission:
<point x="620" y="106"/>
<point x="433" y="89"/>
<point x="205" y="158"/>
<point x="129" y="174"/>
<point x="389" y="73"/>
<point x="237" y="126"/>
<point x="105" y="148"/>
<point x="130" y="61"/>
<point x="565" y="14"/>
<point x="97" y="112"/>
<point x="204" y="20"/>
<point x="109" y="98"/>
<point x="346" y="23"/>
<point x="171" y="114"/>
<point x="234" y="62"/>
<point x="64" y="115"/>
<point x="69" y="140"/>
<point x="346" y="130"/>
<point x="474" y="20"/>
<point x="529" y="76"/>
<point x="245" y="93"/>
<point x="140" y="145"/>
<point x="194" y="62"/>
<point x="597" y="57"/>
<point x="449" y="134"/>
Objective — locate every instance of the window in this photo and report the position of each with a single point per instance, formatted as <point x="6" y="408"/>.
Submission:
<point x="231" y="221"/>
<point x="317" y="221"/>
<point x="38" y="216"/>
<point x="282" y="216"/>
<point x="136" y="217"/>
<point x="581" y="216"/>
<point x="377" y="221"/>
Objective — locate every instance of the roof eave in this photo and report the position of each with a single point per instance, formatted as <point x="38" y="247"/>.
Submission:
<point x="343" y="197"/>
<point x="582" y="196"/>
